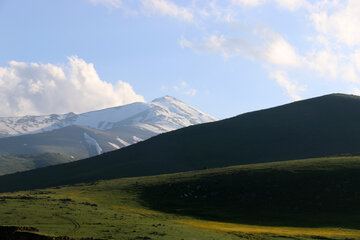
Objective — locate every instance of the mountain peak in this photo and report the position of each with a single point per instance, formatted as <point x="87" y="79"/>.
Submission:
<point x="166" y="98"/>
<point x="162" y="114"/>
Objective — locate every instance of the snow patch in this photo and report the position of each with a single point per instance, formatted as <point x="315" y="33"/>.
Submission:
<point x="151" y="128"/>
<point x="114" y="145"/>
<point x="137" y="139"/>
<point x="122" y="142"/>
<point x="105" y="119"/>
<point x="93" y="143"/>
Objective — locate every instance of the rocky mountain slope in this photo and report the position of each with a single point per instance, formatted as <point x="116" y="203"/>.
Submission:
<point x="82" y="135"/>
<point x="160" y="115"/>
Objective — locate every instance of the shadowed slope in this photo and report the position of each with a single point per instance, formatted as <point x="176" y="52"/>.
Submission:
<point x="322" y="192"/>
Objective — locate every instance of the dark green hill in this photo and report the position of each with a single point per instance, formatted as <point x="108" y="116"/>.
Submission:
<point x="320" y="192"/>
<point x="323" y="126"/>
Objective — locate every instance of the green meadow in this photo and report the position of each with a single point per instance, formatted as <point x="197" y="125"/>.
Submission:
<point x="302" y="199"/>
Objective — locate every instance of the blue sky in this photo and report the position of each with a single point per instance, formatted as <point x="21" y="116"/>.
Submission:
<point x="223" y="57"/>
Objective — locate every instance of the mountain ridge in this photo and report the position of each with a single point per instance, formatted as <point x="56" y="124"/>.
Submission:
<point x="98" y="119"/>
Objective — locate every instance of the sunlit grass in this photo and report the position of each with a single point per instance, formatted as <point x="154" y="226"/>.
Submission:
<point x="281" y="231"/>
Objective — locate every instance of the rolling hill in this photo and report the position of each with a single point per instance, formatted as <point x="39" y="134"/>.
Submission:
<point x="318" y="192"/>
<point x="322" y="126"/>
<point x="288" y="200"/>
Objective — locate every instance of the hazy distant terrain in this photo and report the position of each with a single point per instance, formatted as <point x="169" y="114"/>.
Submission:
<point x="19" y="163"/>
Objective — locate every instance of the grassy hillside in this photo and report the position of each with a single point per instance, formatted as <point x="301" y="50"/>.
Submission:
<point x="24" y="162"/>
<point x="298" y="200"/>
<point x="322" y="126"/>
<point x="320" y="192"/>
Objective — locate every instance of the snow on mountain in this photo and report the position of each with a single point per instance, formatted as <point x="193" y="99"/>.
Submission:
<point x="137" y="139"/>
<point x="10" y="126"/>
<point x="161" y="115"/>
<point x="92" y="133"/>
<point x="122" y="142"/>
<point x="92" y="144"/>
<point x="104" y="119"/>
<point x="114" y="145"/>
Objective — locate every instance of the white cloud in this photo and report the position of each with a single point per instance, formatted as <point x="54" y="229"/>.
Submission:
<point x="33" y="89"/>
<point x="335" y="52"/>
<point x="291" y="87"/>
<point x="184" y="43"/>
<point x="191" y="92"/>
<point x="184" y="88"/>
<point x="342" y="24"/>
<point x="324" y="62"/>
<point x="356" y="91"/>
<point x="349" y="73"/>
<point x="110" y="3"/>
<point x="280" y="52"/>
<point x="220" y="13"/>
<point x="274" y="50"/>
<point x="181" y="86"/>
<point x="167" y="8"/>
<point x="355" y="59"/>
<point x="227" y="47"/>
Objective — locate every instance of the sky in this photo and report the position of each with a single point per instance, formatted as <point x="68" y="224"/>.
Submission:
<point x="223" y="57"/>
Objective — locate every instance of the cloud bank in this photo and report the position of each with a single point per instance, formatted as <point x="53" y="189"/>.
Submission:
<point x="270" y="49"/>
<point x="37" y="89"/>
<point x="332" y="49"/>
<point x="329" y="48"/>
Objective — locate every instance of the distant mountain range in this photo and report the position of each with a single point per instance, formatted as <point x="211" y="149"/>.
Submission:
<point x="78" y="136"/>
<point x="161" y="115"/>
<point x="322" y="126"/>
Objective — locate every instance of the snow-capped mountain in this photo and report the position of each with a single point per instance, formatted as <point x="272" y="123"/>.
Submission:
<point x="95" y="132"/>
<point x="160" y="115"/>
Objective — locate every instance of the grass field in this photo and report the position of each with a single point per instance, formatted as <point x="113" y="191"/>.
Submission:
<point x="305" y="199"/>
